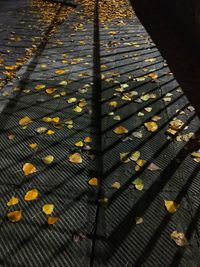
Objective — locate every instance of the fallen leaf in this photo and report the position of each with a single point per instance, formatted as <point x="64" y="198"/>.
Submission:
<point x="40" y="86"/>
<point x="93" y="181"/>
<point x="151" y="126"/>
<point x="11" y="136"/>
<point x="103" y="201"/>
<point x="48" y="159"/>
<point x="79" y="144"/>
<point x="50" y="132"/>
<point x="71" y="100"/>
<point x="135" y="155"/>
<point x="12" y="201"/>
<point x="116" y="185"/>
<point x="120" y="130"/>
<point x="52" y="220"/>
<point x="88" y="139"/>
<point x="153" y="167"/>
<point x="75" y="158"/>
<point x="50" y="91"/>
<point x="171" y="206"/>
<point x="29" y="168"/>
<point x="33" y="146"/>
<point x="179" y="238"/>
<point x="31" y="195"/>
<point x="41" y="130"/>
<point x="138" y="184"/>
<point x="137" y="134"/>
<point x="124" y="157"/>
<point x="60" y="72"/>
<point x="14" y="216"/>
<point x="138" y="220"/>
<point x="153" y="76"/>
<point x="113" y="104"/>
<point x="77" y="109"/>
<point x="196" y="156"/>
<point x="48" y="209"/>
<point x="25" y="121"/>
<point x="47" y="119"/>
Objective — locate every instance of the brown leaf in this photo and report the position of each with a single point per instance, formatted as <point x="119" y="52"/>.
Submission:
<point x="116" y="185"/>
<point x="153" y="167"/>
<point x="52" y="220"/>
<point x="14" y="216"/>
<point x="93" y="181"/>
<point x="179" y="238"/>
<point x="151" y="126"/>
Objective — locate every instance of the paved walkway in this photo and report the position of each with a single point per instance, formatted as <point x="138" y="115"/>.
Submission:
<point x="93" y="87"/>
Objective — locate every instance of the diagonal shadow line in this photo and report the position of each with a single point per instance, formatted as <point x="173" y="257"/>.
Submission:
<point x="34" y="62"/>
<point x="118" y="235"/>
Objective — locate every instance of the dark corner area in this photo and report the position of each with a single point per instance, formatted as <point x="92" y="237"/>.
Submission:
<point x="175" y="28"/>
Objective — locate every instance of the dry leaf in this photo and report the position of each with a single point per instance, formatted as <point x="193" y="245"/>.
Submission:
<point x="138" y="220"/>
<point x="75" y="158"/>
<point x="60" y="72"/>
<point x="25" y="121"/>
<point x="93" y="181"/>
<point x="50" y="132"/>
<point x="153" y="76"/>
<point x="151" y="126"/>
<point x="40" y="86"/>
<point x="120" y="130"/>
<point x="88" y="139"/>
<point x="48" y="209"/>
<point x="29" y="168"/>
<point x="48" y="159"/>
<point x="41" y="130"/>
<point x="50" y="91"/>
<point x="12" y="201"/>
<point x="77" y="109"/>
<point x="124" y="157"/>
<point x="116" y="185"/>
<point x="31" y="195"/>
<point x="79" y="144"/>
<point x="113" y="104"/>
<point x="72" y="100"/>
<point x="179" y="238"/>
<point x="33" y="146"/>
<point x="11" y="136"/>
<point x="153" y="167"/>
<point x="52" y="220"/>
<point x="138" y="184"/>
<point x="171" y="206"/>
<point x="47" y="119"/>
<point x="14" y="216"/>
<point x="135" y="155"/>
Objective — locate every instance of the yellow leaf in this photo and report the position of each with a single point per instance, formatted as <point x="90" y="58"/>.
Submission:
<point x="120" y="130"/>
<point x="33" y="146"/>
<point x="11" y="68"/>
<point x="82" y="104"/>
<point x="138" y="184"/>
<point x="14" y="216"/>
<point x="113" y="104"/>
<point x="77" y="109"/>
<point x="40" y="86"/>
<point x="171" y="206"/>
<point x="88" y="139"/>
<point x="25" y="121"/>
<point x="63" y="83"/>
<point x="48" y="209"/>
<point x="52" y="220"/>
<point x="50" y="132"/>
<point x="29" y="168"/>
<point x="135" y="155"/>
<point x="75" y="158"/>
<point x="141" y="162"/>
<point x="50" y="91"/>
<point x="79" y="144"/>
<point x="56" y="119"/>
<point x="151" y="126"/>
<point x="145" y="97"/>
<point x="179" y="239"/>
<point x="31" y="195"/>
<point x="48" y="159"/>
<point x="46" y="119"/>
<point x="13" y="201"/>
<point x="93" y="181"/>
<point x="72" y="100"/>
<point x="60" y="72"/>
